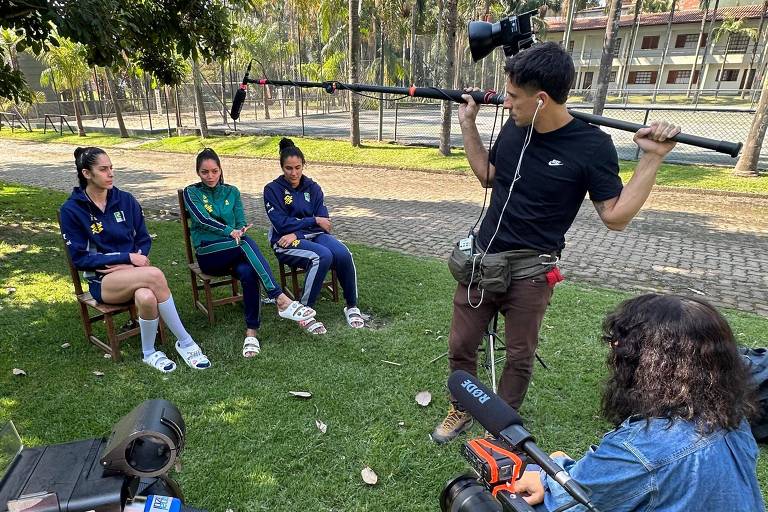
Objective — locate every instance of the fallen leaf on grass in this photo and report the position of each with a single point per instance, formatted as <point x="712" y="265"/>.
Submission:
<point x="65" y="345"/>
<point x="98" y="373"/>
<point x="369" y="476"/>
<point x="107" y="356"/>
<point x="301" y="394"/>
<point x="391" y="362"/>
<point x="400" y="423"/>
<point x="174" y="263"/>
<point x="322" y="427"/>
<point x="153" y="235"/>
<point x="19" y="371"/>
<point x="10" y="290"/>
<point x="423" y="398"/>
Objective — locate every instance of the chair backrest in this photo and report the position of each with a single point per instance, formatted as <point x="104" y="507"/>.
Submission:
<point x="73" y="273"/>
<point x="185" y="226"/>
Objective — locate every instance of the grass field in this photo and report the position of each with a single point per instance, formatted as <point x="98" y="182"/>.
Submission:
<point x="388" y="155"/>
<point x="251" y="446"/>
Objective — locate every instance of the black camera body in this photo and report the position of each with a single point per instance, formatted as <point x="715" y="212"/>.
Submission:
<point x="100" y="474"/>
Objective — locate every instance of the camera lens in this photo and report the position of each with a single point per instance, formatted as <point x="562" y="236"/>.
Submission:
<point x="465" y="494"/>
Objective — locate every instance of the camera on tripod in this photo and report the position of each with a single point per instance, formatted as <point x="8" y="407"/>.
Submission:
<point x="492" y="487"/>
<point x="113" y="474"/>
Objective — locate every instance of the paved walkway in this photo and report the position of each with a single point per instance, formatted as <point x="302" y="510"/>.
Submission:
<point x="680" y="242"/>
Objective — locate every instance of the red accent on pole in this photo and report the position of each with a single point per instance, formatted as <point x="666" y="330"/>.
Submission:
<point x="411" y="90"/>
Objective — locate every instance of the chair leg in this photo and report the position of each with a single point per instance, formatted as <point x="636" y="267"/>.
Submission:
<point x="335" y="285"/>
<point x="86" y="319"/>
<point x="161" y="331"/>
<point x="209" y="301"/>
<point x="195" y="292"/>
<point x="235" y="287"/>
<point x="295" y="284"/>
<point x="282" y="276"/>
<point x="114" y="345"/>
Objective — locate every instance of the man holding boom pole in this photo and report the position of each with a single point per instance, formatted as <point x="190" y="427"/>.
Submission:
<point x="540" y="168"/>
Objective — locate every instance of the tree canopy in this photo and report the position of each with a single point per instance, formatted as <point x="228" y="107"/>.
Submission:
<point x="156" y="34"/>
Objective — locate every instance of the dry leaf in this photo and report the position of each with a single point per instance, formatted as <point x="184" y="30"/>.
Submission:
<point x="98" y="373"/>
<point x="65" y="345"/>
<point x="174" y="263"/>
<point x="369" y="476"/>
<point x="322" y="427"/>
<point x="391" y="362"/>
<point x="301" y="394"/>
<point x="400" y="423"/>
<point x="19" y="371"/>
<point x="423" y="398"/>
<point x="107" y="356"/>
<point x="10" y="290"/>
<point x="153" y="235"/>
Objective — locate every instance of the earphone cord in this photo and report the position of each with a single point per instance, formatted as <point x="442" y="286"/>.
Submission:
<point x="516" y="177"/>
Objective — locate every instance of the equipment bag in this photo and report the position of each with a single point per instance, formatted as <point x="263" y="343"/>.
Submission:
<point x="757" y="363"/>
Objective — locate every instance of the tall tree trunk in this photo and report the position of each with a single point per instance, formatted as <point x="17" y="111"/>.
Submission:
<point x="664" y="53"/>
<point x="754" y="50"/>
<point x="750" y="155"/>
<point x="450" y="43"/>
<point x="570" y="5"/>
<point x="436" y="54"/>
<point x="632" y="42"/>
<point x="705" y="5"/>
<point x="606" y="60"/>
<point x="412" y="54"/>
<point x="710" y="43"/>
<point x="78" y="116"/>
<point x="199" y="101"/>
<point x="112" y="88"/>
<point x="354" y="64"/>
<point x="380" y="79"/>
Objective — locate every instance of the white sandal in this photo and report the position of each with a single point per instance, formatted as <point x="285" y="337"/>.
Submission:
<point x="355" y="318"/>
<point x="251" y="347"/>
<point x="193" y="356"/>
<point x="313" y="326"/>
<point x="297" y="311"/>
<point x="159" y="361"/>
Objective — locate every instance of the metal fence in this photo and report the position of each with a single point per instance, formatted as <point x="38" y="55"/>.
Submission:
<point x="315" y="113"/>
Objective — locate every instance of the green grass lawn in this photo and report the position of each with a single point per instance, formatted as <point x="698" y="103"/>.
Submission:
<point x="389" y="155"/>
<point x="251" y="446"/>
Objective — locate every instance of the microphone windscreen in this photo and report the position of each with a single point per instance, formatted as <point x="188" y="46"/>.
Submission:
<point x="237" y="103"/>
<point x="484" y="405"/>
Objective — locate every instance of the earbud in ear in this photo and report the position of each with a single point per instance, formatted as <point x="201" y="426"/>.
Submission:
<point x="539" y="102"/>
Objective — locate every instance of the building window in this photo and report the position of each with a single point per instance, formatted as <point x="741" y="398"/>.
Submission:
<point x="617" y="47"/>
<point x="690" y="40"/>
<point x="588" y="77"/>
<point x="570" y="46"/>
<point x="612" y="76"/>
<point x="737" y="43"/>
<point x="682" y="76"/>
<point x="641" y="77"/>
<point x="729" y="75"/>
<point x="650" y="43"/>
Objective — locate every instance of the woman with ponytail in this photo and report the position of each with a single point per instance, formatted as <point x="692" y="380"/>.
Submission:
<point x="107" y="239"/>
<point x="301" y="232"/>
<point x="218" y="231"/>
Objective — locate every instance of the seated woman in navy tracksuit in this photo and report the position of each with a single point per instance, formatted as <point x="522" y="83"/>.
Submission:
<point x="106" y="237"/>
<point x="218" y="231"/>
<point x="300" y="232"/>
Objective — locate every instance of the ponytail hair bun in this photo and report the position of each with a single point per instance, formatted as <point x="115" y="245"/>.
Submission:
<point x="288" y="149"/>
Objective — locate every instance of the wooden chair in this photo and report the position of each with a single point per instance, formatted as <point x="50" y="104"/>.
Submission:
<point x="105" y="312"/>
<point x="332" y="285"/>
<point x="202" y="281"/>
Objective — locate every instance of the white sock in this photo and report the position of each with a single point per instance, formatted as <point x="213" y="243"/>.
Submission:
<point x="148" y="335"/>
<point x="171" y="318"/>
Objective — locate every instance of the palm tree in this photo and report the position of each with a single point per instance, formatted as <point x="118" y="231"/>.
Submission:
<point x="606" y="60"/>
<point x="67" y="68"/>
<point x="450" y="43"/>
<point x="730" y="27"/>
<point x="8" y="40"/>
<point x="197" y="79"/>
<point x="702" y="78"/>
<point x="354" y="64"/>
<point x="109" y="79"/>
<point x="660" y="73"/>
<point x="750" y="155"/>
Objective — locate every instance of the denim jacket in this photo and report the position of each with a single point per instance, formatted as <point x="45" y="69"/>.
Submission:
<point x="665" y="467"/>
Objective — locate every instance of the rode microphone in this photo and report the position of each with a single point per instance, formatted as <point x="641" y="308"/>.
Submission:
<point x="505" y="423"/>
<point x="239" y="99"/>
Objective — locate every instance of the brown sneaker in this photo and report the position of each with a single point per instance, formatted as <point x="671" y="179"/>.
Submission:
<point x="454" y="424"/>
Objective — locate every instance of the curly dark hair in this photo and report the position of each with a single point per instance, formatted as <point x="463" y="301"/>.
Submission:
<point x="675" y="357"/>
<point x="543" y="67"/>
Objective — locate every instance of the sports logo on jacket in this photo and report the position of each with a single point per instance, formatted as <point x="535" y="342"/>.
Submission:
<point x="97" y="228"/>
<point x="295" y="243"/>
<point x="120" y="216"/>
<point x="288" y="199"/>
<point x="306" y="197"/>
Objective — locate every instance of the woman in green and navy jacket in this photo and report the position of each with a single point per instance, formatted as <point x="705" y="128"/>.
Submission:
<point x="218" y="231"/>
<point x="106" y="238"/>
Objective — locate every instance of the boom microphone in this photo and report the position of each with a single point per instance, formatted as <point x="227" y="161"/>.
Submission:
<point x="239" y="99"/>
<point x="505" y="423"/>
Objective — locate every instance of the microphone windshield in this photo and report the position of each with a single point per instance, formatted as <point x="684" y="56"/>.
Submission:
<point x="237" y="103"/>
<point x="484" y="405"/>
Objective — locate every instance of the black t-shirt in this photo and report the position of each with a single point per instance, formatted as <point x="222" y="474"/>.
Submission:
<point x="558" y="169"/>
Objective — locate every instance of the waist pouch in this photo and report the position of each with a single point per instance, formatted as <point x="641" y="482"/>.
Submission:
<point x="494" y="272"/>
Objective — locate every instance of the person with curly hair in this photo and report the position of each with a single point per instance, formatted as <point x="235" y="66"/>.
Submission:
<point x="679" y="396"/>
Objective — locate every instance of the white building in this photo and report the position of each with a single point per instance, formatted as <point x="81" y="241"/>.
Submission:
<point x="640" y="66"/>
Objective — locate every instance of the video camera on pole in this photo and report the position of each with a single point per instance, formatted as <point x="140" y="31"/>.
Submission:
<point x="124" y="472"/>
